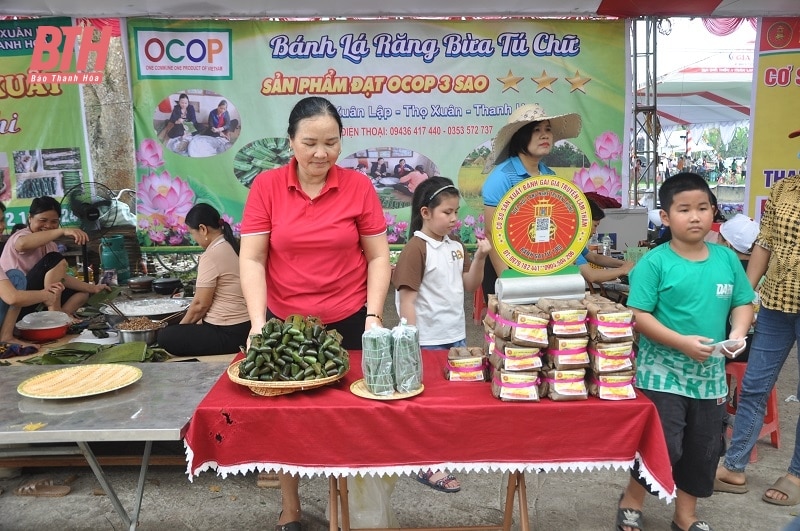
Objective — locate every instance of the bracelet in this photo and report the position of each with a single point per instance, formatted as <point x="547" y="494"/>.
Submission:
<point x="375" y="315"/>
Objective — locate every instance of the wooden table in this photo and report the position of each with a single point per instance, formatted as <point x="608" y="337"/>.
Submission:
<point x="457" y="426"/>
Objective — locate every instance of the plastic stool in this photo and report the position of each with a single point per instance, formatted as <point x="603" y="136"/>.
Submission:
<point x="772" y="426"/>
<point x="478" y="306"/>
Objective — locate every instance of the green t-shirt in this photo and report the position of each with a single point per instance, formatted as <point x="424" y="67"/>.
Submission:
<point x="692" y="298"/>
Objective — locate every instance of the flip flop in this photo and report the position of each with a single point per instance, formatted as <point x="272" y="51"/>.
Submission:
<point x="733" y="488"/>
<point x="42" y="488"/>
<point x="785" y="486"/>
<point x="699" y="525"/>
<point x="627" y="517"/>
<point x="440" y="485"/>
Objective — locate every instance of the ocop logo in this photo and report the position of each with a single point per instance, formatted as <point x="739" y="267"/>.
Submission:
<point x="183" y="53"/>
<point x="50" y="65"/>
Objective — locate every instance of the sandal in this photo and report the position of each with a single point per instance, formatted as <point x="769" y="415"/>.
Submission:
<point x="627" y="517"/>
<point x="42" y="488"/>
<point x="440" y="484"/>
<point x="786" y="487"/>
<point x="699" y="525"/>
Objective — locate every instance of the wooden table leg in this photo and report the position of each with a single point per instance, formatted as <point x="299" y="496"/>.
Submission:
<point x="522" y="497"/>
<point x="516" y="488"/>
<point x="344" y="500"/>
<point x="333" y="503"/>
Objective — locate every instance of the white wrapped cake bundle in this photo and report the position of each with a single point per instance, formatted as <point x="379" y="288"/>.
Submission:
<point x="376" y="362"/>
<point x="407" y="357"/>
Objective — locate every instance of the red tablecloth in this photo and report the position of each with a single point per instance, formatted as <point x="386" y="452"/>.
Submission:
<point x="456" y="425"/>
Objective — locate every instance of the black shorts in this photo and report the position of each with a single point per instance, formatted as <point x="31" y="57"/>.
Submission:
<point x="693" y="433"/>
<point x="35" y="278"/>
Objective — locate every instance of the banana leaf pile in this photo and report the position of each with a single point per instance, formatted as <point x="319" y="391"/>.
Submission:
<point x="87" y="353"/>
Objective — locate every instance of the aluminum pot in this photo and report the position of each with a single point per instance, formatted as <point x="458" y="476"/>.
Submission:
<point x="142" y="284"/>
<point x="148" y="336"/>
<point x="154" y="308"/>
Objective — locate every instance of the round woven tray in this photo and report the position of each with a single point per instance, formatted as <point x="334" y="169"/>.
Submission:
<point x="277" y="388"/>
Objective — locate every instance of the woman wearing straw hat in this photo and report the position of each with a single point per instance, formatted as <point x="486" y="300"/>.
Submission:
<point x="517" y="154"/>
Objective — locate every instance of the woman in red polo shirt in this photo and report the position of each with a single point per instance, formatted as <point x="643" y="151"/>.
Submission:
<point x="314" y="243"/>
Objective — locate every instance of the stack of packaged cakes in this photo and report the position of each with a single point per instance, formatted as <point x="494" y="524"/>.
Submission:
<point x="562" y="349"/>
<point x="465" y="364"/>
<point x="567" y="357"/>
<point x="611" y="352"/>
<point x="515" y="337"/>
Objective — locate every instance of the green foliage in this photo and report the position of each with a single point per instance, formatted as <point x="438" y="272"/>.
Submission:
<point x="736" y="148"/>
<point x="566" y="155"/>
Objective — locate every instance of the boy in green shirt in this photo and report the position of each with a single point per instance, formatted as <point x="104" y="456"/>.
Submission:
<point x="681" y="295"/>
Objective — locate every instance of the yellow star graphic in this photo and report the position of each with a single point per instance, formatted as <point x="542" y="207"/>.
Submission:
<point x="577" y="82"/>
<point x="544" y="81"/>
<point x="510" y="81"/>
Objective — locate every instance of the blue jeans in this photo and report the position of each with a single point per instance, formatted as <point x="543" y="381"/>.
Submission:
<point x="17" y="279"/>
<point x="775" y="334"/>
<point x="446" y="346"/>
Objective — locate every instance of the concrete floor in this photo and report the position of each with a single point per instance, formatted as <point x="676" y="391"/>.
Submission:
<point x="580" y="501"/>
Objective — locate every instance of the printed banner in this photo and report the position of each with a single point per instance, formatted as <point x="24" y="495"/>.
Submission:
<point x="775" y="127"/>
<point x="425" y="95"/>
<point x="44" y="149"/>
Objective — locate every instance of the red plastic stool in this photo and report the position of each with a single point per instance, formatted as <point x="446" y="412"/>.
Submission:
<point x="772" y="426"/>
<point x="478" y="306"/>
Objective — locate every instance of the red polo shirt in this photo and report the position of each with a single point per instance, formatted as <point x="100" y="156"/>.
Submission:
<point x="315" y="264"/>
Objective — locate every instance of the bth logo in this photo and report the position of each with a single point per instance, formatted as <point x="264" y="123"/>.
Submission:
<point x="53" y="54"/>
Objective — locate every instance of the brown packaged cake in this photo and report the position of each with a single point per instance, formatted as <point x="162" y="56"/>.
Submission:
<point x="491" y="311"/>
<point x="568" y="352"/>
<point x="515" y="385"/>
<point x="564" y="385"/>
<point x="530" y="326"/>
<point x="567" y="316"/>
<point x="612" y="357"/>
<point x="465" y="364"/>
<point x="610" y="322"/>
<point x="510" y="357"/>
<point x="616" y="386"/>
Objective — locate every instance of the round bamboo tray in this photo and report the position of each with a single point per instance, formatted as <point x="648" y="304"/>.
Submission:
<point x="278" y="388"/>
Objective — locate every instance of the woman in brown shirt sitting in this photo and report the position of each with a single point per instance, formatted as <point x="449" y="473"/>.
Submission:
<point x="216" y="321"/>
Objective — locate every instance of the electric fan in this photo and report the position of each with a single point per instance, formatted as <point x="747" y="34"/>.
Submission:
<point x="92" y="204"/>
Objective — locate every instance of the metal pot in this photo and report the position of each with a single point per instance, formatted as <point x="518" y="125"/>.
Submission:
<point x="148" y="336"/>
<point x="155" y="308"/>
<point x="167" y="285"/>
<point x="142" y="284"/>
